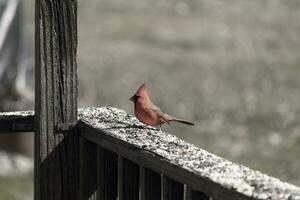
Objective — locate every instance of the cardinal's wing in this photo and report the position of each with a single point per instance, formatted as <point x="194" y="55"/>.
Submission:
<point x="159" y="114"/>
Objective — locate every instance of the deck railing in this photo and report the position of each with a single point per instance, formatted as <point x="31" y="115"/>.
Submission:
<point x="134" y="162"/>
<point x="120" y="158"/>
<point x="107" y="154"/>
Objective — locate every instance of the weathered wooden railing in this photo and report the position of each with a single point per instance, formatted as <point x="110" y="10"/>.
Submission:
<point x="135" y="162"/>
<point x="120" y="158"/>
<point x="107" y="154"/>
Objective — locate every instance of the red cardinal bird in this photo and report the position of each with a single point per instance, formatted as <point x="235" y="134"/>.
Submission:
<point x="150" y="114"/>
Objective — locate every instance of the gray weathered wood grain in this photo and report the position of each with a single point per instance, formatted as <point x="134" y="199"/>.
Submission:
<point x="164" y="153"/>
<point x="56" y="154"/>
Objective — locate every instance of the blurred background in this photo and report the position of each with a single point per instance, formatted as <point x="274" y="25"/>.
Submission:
<point x="232" y="67"/>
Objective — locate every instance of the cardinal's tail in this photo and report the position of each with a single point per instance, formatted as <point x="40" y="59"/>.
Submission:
<point x="183" y="122"/>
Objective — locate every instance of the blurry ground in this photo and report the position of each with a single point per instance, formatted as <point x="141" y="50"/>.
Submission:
<point x="16" y="170"/>
<point x="231" y="66"/>
<point x="16" y="177"/>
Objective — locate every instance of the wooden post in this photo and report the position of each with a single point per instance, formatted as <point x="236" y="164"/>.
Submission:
<point x="56" y="153"/>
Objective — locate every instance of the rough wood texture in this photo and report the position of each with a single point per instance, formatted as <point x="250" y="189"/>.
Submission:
<point x="217" y="177"/>
<point x="129" y="181"/>
<point x="107" y="175"/>
<point x="19" y="121"/>
<point x="87" y="169"/>
<point x="150" y="184"/>
<point x="171" y="190"/>
<point x="56" y="155"/>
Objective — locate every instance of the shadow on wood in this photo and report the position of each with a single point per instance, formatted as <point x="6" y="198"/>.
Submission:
<point x="60" y="170"/>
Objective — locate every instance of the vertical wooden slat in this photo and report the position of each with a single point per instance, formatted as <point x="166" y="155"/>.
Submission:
<point x="107" y="174"/>
<point x="56" y="154"/>
<point x="120" y="177"/>
<point x="142" y="184"/>
<point x="172" y="190"/>
<point x="150" y="184"/>
<point x="190" y="194"/>
<point x="128" y="180"/>
<point x="88" y="169"/>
